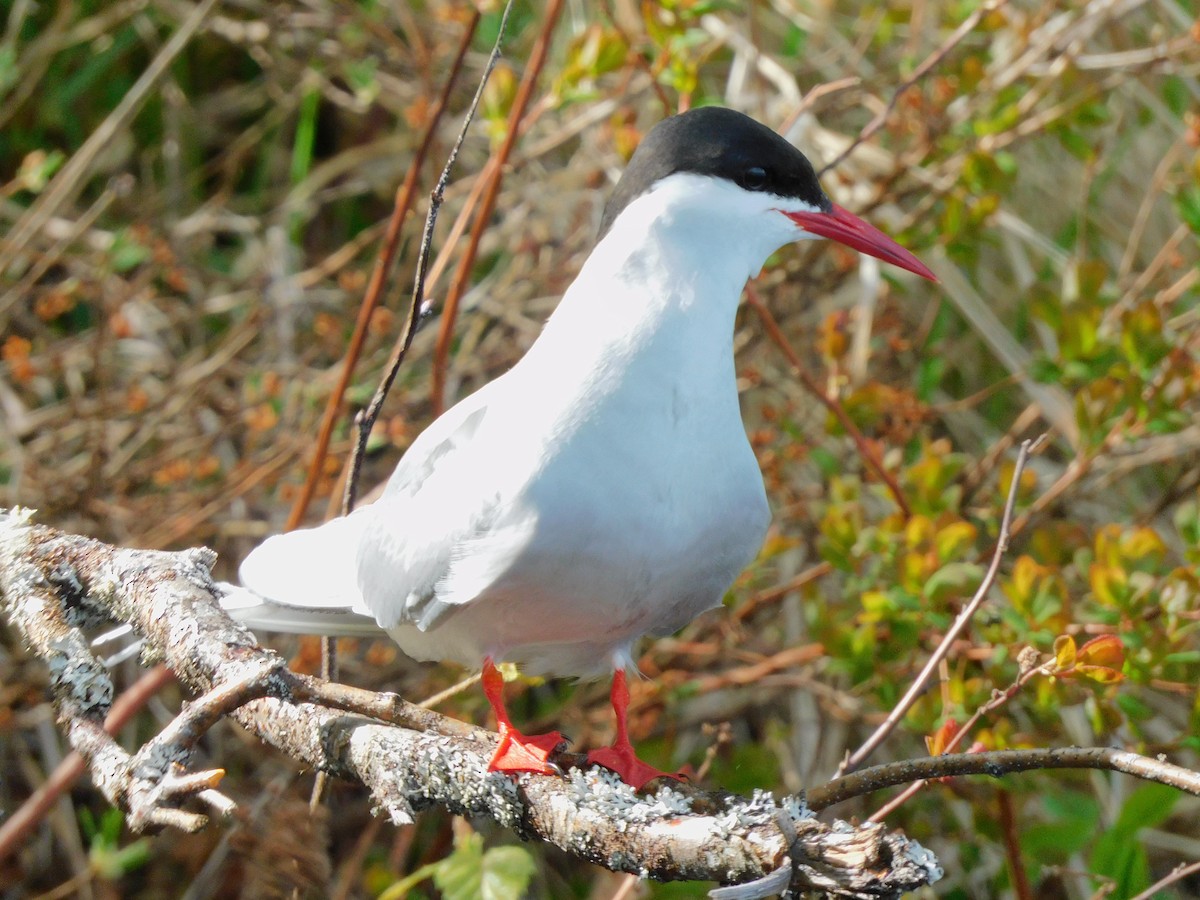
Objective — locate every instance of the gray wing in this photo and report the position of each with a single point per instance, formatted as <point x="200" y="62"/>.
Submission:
<point x="448" y="508"/>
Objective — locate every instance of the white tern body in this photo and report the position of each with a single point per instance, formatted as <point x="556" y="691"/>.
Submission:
<point x="604" y="487"/>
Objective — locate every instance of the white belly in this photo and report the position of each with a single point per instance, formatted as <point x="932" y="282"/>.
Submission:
<point x="625" y="532"/>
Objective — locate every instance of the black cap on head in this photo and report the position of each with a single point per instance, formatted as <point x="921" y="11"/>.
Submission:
<point x="722" y="143"/>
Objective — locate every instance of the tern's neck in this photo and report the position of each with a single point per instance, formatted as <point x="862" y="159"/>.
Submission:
<point x="659" y="272"/>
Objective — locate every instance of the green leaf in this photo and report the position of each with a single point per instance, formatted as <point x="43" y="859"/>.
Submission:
<point x="956" y="579"/>
<point x="502" y="873"/>
<point x="1117" y="854"/>
<point x="460" y="875"/>
<point x="1188" y="204"/>
<point x="507" y="872"/>
<point x="1133" y="708"/>
<point x="1148" y="806"/>
<point x="1124" y="861"/>
<point x="1176" y="94"/>
<point x="38" y="167"/>
<point x="827" y="463"/>
<point x="9" y="71"/>
<point x="126" y="252"/>
<point x="1054" y="843"/>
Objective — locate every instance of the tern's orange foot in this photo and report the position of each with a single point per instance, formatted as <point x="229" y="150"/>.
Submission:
<point x="518" y="752"/>
<point x="630" y="769"/>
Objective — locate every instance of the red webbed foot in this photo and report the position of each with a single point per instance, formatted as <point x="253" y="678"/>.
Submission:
<point x="620" y="757"/>
<point x="517" y="752"/>
<point x="629" y="768"/>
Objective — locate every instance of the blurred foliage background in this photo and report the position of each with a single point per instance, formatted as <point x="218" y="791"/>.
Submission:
<point x="185" y="239"/>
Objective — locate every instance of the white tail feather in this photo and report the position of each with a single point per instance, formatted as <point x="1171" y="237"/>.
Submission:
<point x="260" y="614"/>
<point x="304" y="582"/>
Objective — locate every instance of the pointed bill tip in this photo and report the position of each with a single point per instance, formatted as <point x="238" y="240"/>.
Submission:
<point x="841" y="225"/>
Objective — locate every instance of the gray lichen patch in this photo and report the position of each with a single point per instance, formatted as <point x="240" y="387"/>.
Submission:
<point x="924" y="859"/>
<point x="78" y="677"/>
<point x="602" y="791"/>
<point x="429" y="769"/>
<point x="759" y="809"/>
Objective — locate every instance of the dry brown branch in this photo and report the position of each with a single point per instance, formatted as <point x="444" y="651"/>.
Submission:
<point x="1003" y="762"/>
<point x="51" y="583"/>
<point x="873" y="462"/>
<point x="384" y="262"/>
<point x="537" y="59"/>
<point x="17" y="826"/>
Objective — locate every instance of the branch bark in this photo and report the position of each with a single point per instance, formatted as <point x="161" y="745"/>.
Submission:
<point x="52" y="584"/>
<point x="1003" y="762"/>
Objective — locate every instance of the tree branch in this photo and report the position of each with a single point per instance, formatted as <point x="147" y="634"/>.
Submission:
<point x="51" y="583"/>
<point x="1003" y="762"/>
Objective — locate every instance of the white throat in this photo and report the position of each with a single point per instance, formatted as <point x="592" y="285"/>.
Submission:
<point x="667" y="278"/>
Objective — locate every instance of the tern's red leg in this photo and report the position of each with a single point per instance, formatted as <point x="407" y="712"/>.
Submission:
<point x="516" y="752"/>
<point x="620" y="756"/>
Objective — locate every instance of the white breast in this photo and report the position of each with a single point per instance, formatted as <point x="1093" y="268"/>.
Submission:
<point x="606" y="488"/>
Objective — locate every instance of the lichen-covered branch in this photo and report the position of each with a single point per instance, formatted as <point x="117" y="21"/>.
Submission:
<point x="409" y="758"/>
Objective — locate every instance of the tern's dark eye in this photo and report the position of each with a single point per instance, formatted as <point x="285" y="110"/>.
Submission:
<point x="753" y="178"/>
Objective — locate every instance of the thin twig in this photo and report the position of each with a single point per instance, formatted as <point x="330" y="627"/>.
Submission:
<point x="537" y="59"/>
<point x="1176" y="875"/>
<point x="873" y="462"/>
<point x="998" y="699"/>
<point x="329" y="672"/>
<point x="918" y="687"/>
<point x="812" y="96"/>
<point x="930" y="62"/>
<point x="1012" y="846"/>
<point x="16" y="827"/>
<point x="365" y="420"/>
<point x="374" y="293"/>
<point x="118" y="187"/>
<point x="769" y="595"/>
<point x="454" y="690"/>
<point x="899" y="800"/>
<point x="379" y="278"/>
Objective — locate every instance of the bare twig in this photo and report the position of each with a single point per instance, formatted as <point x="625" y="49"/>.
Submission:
<point x="1002" y="762"/>
<point x="968" y="25"/>
<point x="810" y="98"/>
<point x="379" y="277"/>
<point x="1012" y="846"/>
<point x="365" y="420"/>
<point x="537" y="59"/>
<point x="1175" y="876"/>
<point x="873" y="462"/>
<point x="16" y="827"/>
<point x="918" y="687"/>
<point x="117" y="187"/>
<point x="779" y="591"/>
<point x="1029" y="670"/>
